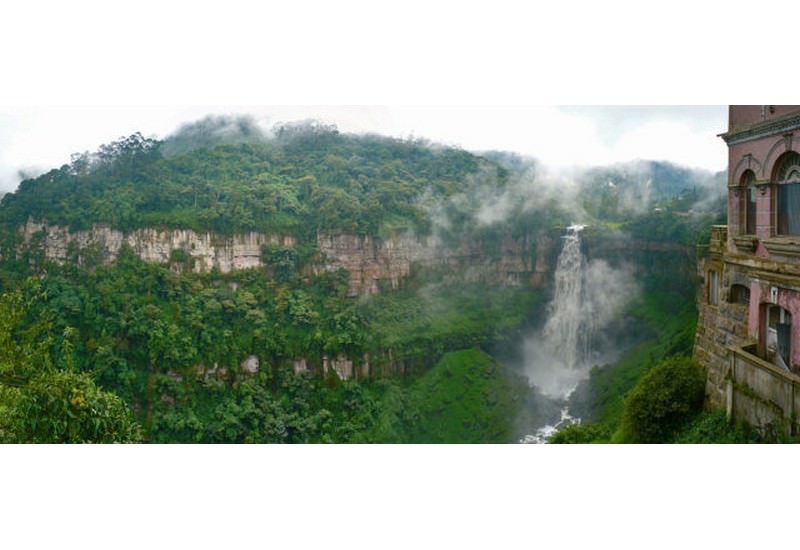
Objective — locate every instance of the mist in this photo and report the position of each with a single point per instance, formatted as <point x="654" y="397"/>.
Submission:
<point x="593" y="196"/>
<point x="214" y="130"/>
<point x="573" y="338"/>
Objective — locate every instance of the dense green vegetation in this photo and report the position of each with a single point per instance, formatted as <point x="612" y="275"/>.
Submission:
<point x="578" y="433"/>
<point x="305" y="179"/>
<point x="465" y="398"/>
<point x="42" y="403"/>
<point x="152" y="337"/>
<point x="638" y="192"/>
<point x="468" y="398"/>
<point x="714" y="427"/>
<point x="664" y="406"/>
<point x="135" y="351"/>
<point x="428" y="317"/>
<point x="663" y="401"/>
<point x="171" y="344"/>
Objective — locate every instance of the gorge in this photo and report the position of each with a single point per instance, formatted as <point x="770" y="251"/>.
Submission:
<point x="327" y="287"/>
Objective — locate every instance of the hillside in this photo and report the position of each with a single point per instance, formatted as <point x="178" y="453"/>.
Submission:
<point x="302" y="180"/>
<point x="308" y="285"/>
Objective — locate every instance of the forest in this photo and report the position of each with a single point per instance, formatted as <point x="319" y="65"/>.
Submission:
<point x="134" y="351"/>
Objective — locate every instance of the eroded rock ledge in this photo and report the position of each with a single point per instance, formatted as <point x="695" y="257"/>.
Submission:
<point x="370" y="261"/>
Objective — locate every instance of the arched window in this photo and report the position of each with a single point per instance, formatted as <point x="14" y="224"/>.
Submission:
<point x="749" y="188"/>
<point x="740" y="294"/>
<point x="787" y="176"/>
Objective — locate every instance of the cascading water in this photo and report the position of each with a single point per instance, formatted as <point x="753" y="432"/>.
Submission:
<point x="588" y="297"/>
<point x="569" y="329"/>
<point x="557" y="358"/>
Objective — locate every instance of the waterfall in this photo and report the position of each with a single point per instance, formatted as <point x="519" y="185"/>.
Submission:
<point x="588" y="296"/>
<point x="568" y="331"/>
<point x="560" y="355"/>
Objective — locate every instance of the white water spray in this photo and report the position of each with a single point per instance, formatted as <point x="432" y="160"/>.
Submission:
<point x="568" y="331"/>
<point x="543" y="434"/>
<point x="561" y="355"/>
<point x="587" y="297"/>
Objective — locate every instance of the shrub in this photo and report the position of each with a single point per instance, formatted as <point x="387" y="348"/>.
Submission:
<point x="178" y="255"/>
<point x="66" y="407"/>
<point x="663" y="401"/>
<point x="580" y="433"/>
<point x="282" y="259"/>
<point x="714" y="427"/>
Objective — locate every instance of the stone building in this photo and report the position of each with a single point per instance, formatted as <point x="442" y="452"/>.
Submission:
<point x="748" y="333"/>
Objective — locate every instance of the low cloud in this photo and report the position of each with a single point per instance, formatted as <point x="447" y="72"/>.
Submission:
<point x="215" y="130"/>
<point x="562" y="353"/>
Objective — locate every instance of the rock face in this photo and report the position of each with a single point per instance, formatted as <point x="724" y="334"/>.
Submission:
<point x="206" y="251"/>
<point x="250" y="365"/>
<point x="341" y="365"/>
<point x="299" y="365"/>
<point x="370" y="261"/>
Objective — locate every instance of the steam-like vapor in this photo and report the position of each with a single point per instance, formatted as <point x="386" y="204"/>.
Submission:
<point x="10" y="179"/>
<point x="214" y="130"/>
<point x="622" y="191"/>
<point x="588" y="297"/>
<point x="487" y="199"/>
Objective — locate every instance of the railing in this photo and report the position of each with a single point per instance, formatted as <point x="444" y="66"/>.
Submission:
<point x="719" y="239"/>
<point x="761" y="393"/>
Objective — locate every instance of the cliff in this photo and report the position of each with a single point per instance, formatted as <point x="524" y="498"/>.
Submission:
<point x="206" y="250"/>
<point x="370" y="261"/>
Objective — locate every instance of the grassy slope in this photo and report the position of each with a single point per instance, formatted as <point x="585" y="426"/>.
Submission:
<point x="438" y="317"/>
<point x="467" y="398"/>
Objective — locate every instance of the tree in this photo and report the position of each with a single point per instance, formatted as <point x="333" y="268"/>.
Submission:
<point x="40" y="404"/>
<point x="66" y="407"/>
<point x="663" y="401"/>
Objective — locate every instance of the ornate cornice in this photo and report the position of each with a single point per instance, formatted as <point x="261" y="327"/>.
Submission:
<point x="746" y="243"/>
<point x="764" y="129"/>
<point x="783" y="246"/>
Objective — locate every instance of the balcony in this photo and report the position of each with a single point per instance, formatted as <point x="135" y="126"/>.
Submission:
<point x="719" y="239"/>
<point x="760" y="393"/>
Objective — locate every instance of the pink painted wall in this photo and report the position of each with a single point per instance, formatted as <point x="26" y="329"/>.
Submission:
<point x="736" y="199"/>
<point x="788" y="300"/>
<point x="760" y="156"/>
<point x="741" y="117"/>
<point x="764" y="213"/>
<point x="763" y="154"/>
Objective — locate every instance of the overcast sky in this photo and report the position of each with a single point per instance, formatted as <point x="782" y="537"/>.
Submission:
<point x="37" y="139"/>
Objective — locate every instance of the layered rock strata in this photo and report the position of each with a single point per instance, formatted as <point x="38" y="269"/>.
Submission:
<point x="370" y="261"/>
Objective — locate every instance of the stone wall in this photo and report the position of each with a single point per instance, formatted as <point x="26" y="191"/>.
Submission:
<point x="721" y="323"/>
<point x="740" y="380"/>
<point x="762" y="394"/>
<point x="718" y="328"/>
